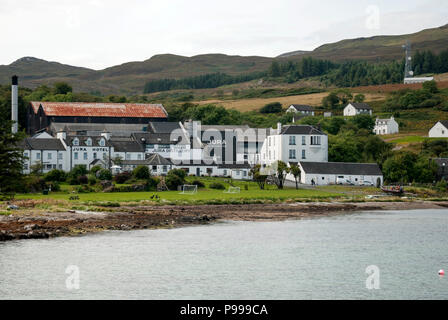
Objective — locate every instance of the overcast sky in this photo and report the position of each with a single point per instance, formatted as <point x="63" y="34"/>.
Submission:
<point x="102" y="33"/>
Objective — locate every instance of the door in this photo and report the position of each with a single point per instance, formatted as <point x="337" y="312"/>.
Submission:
<point x="198" y="172"/>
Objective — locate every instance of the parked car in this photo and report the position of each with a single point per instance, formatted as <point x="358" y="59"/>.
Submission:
<point x="366" y="183"/>
<point x="342" y="180"/>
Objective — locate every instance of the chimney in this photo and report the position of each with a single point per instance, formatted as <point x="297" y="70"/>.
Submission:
<point x="14" y="104"/>
<point x="279" y="127"/>
<point x="61" y="135"/>
<point x="106" y="135"/>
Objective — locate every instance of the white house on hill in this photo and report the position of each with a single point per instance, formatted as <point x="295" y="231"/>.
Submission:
<point x="300" y="108"/>
<point x="439" y="130"/>
<point x="386" y="126"/>
<point x="353" y="109"/>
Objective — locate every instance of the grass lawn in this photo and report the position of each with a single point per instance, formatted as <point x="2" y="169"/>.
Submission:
<point x="204" y="195"/>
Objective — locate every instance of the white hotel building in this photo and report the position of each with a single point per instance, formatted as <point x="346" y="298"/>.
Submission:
<point x="295" y="143"/>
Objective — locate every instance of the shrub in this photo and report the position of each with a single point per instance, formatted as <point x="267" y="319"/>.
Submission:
<point x="198" y="183"/>
<point x="55" y="175"/>
<point x="152" y="183"/>
<point x="54" y="186"/>
<point x="441" y="186"/>
<point x="104" y="174"/>
<point x="95" y="169"/>
<point x="92" y="179"/>
<point x="78" y="170"/>
<point x="72" y="180"/>
<point x="34" y="184"/>
<point x="83" y="180"/>
<point x="84" y="188"/>
<point x="141" y="172"/>
<point x="122" y="177"/>
<point x="217" y="185"/>
<point x="175" y="178"/>
<point x="273" y="107"/>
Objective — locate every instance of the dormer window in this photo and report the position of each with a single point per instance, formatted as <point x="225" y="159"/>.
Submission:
<point x="88" y="142"/>
<point x="102" y="142"/>
<point x="76" y="142"/>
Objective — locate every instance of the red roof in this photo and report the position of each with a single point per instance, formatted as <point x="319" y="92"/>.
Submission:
<point x="88" y="109"/>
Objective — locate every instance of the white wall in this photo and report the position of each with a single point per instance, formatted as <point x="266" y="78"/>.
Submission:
<point x="386" y="127"/>
<point x="326" y="179"/>
<point x="350" y="111"/>
<point x="438" y="131"/>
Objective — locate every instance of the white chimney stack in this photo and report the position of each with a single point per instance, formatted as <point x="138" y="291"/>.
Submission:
<point x="14" y="104"/>
<point x="279" y="127"/>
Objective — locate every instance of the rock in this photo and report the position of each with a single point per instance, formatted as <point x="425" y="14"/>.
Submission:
<point x="13" y="207"/>
<point x="30" y="227"/>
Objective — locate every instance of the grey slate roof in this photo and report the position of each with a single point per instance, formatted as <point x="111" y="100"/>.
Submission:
<point x="97" y="128"/>
<point x="41" y="144"/>
<point x="126" y="146"/>
<point x="83" y="140"/>
<point x="360" y="105"/>
<point x="344" y="168"/>
<point x="234" y="166"/>
<point x="444" y="123"/>
<point x="302" y="107"/>
<point x="157" y="138"/>
<point x="301" y="129"/>
<point x="156" y="159"/>
<point x="163" y="127"/>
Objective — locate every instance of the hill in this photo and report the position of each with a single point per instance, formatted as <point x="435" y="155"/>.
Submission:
<point x="130" y="78"/>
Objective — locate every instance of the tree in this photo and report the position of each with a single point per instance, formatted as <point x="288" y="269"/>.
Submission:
<point x="430" y="86"/>
<point x="11" y="159"/>
<point x="104" y="174"/>
<point x="62" y="88"/>
<point x="331" y="101"/>
<point x="259" y="178"/>
<point x="359" y="98"/>
<point x="296" y="172"/>
<point x="273" y="107"/>
<point x="175" y="178"/>
<point x="280" y="174"/>
<point x="141" y="172"/>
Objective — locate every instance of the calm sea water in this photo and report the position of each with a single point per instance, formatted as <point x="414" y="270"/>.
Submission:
<point x="318" y="258"/>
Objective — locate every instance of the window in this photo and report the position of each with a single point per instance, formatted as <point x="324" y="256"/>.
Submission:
<point x="225" y="172"/>
<point x="60" y="167"/>
<point x="94" y="155"/>
<point x="76" y="142"/>
<point x="25" y="166"/>
<point x="104" y="156"/>
<point x="154" y="168"/>
<point x="25" y="154"/>
<point x="292" y="154"/>
<point x="292" y="140"/>
<point x="102" y="142"/>
<point x="269" y="141"/>
<point x="128" y="156"/>
<point x="60" y="155"/>
<point x="49" y="156"/>
<point x="303" y="154"/>
<point x="303" y="140"/>
<point x="244" y="173"/>
<point x="165" y="168"/>
<point x="38" y="155"/>
<point x="75" y="155"/>
<point x="48" y="167"/>
<point x="85" y="155"/>
<point x="88" y="142"/>
<point x="139" y="157"/>
<point x="315" y="140"/>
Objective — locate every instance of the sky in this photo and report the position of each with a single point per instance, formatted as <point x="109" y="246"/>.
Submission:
<point x="101" y="33"/>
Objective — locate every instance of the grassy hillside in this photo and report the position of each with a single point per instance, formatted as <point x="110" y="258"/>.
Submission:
<point x="130" y="78"/>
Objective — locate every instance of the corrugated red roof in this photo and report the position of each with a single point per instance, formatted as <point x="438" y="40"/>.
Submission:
<point x="88" y="109"/>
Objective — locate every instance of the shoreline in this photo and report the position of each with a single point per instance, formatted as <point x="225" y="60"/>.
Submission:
<point x="70" y="223"/>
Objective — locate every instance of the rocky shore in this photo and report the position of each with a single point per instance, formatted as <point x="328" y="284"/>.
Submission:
<point x="30" y="225"/>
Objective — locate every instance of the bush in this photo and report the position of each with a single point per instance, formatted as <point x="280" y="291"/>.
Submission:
<point x="152" y="183"/>
<point x="78" y="170"/>
<point x="73" y="181"/>
<point x="54" y="186"/>
<point x="141" y="172"/>
<point x="34" y="184"/>
<point x="175" y="178"/>
<point x="122" y="177"/>
<point x="217" y="185"/>
<point x="273" y="107"/>
<point x="83" y="180"/>
<point x="95" y="169"/>
<point x="84" y="188"/>
<point x="92" y="179"/>
<point x="198" y="183"/>
<point x="55" y="175"/>
<point x="441" y="186"/>
<point x="104" y="174"/>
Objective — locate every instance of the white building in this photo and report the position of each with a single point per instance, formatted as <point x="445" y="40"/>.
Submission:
<point x="386" y="126"/>
<point x="353" y="109"/>
<point x="439" y="130"/>
<point x="324" y="173"/>
<point x="295" y="143"/>
<point x="417" y="80"/>
<point x="302" y="109"/>
<point x="45" y="150"/>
